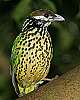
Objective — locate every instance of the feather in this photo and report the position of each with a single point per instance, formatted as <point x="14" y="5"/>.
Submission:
<point x="14" y="81"/>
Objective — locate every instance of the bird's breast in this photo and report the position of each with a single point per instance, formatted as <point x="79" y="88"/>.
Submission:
<point x="35" y="56"/>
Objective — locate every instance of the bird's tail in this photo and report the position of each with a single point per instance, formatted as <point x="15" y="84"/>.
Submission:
<point x="28" y="89"/>
<point x="25" y="90"/>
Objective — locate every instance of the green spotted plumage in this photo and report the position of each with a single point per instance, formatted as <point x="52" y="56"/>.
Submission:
<point x="15" y="51"/>
<point x="31" y="53"/>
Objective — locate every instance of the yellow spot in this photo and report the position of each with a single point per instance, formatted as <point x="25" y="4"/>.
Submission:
<point x="29" y="89"/>
<point x="21" y="90"/>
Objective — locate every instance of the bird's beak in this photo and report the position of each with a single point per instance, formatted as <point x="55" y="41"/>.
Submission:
<point x="58" y="18"/>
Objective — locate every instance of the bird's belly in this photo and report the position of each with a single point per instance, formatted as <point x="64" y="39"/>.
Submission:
<point x="35" y="62"/>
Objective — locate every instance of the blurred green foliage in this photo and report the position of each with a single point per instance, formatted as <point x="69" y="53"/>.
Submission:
<point x="65" y="35"/>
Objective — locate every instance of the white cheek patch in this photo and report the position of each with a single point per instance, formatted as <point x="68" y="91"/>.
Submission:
<point x="41" y="17"/>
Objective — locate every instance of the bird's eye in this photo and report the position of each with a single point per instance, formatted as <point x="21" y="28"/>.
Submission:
<point x="46" y="15"/>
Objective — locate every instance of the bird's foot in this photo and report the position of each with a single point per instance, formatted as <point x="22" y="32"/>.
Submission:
<point x="47" y="79"/>
<point x="40" y="82"/>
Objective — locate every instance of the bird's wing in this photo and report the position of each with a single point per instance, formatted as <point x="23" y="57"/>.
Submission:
<point x="14" y="61"/>
<point x="14" y="81"/>
<point x="15" y="53"/>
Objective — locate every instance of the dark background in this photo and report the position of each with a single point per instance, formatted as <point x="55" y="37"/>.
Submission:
<point x="65" y="36"/>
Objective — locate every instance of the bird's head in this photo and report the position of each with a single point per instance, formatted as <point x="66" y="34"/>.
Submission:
<point x="39" y="18"/>
<point x="46" y="16"/>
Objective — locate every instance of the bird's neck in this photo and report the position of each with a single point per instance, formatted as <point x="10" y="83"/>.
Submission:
<point x="32" y="24"/>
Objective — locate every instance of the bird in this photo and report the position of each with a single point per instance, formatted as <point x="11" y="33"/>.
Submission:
<point x="32" y="51"/>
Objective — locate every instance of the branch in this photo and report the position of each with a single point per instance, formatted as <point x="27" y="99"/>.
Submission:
<point x="66" y="87"/>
